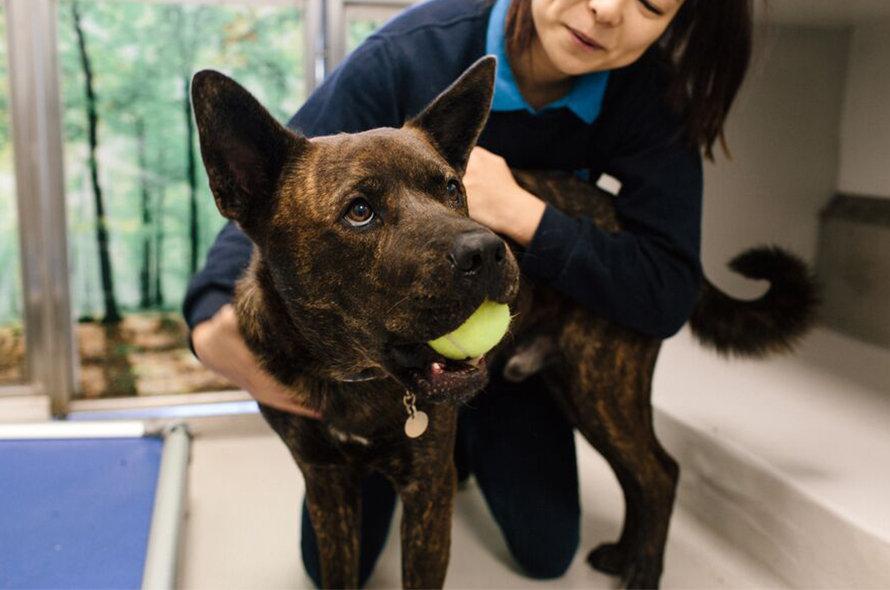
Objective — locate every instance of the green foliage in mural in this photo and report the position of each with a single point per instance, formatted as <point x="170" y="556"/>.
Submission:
<point x="160" y="216"/>
<point x="10" y="272"/>
<point x="159" y="213"/>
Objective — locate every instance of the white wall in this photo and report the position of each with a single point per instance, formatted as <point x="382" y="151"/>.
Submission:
<point x="784" y="137"/>
<point x="865" y="124"/>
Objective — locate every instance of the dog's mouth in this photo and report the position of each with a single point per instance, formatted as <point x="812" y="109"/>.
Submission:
<point x="424" y="371"/>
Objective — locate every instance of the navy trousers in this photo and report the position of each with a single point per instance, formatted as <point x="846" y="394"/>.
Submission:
<point x="515" y="441"/>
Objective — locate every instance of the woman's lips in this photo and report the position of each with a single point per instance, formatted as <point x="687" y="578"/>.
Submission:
<point x="583" y="40"/>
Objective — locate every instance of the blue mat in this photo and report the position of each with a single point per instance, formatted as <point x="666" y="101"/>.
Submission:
<point x="76" y="513"/>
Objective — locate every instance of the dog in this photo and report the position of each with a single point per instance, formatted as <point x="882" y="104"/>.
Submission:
<point x="334" y="306"/>
<point x="364" y="251"/>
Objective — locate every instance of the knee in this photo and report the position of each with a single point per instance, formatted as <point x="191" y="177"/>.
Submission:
<point x="310" y="564"/>
<point x="549" y="564"/>
<point x="309" y="549"/>
<point x="548" y="556"/>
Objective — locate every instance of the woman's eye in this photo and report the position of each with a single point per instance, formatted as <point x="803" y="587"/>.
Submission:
<point x="359" y="213"/>
<point x="452" y="189"/>
<point x="651" y="7"/>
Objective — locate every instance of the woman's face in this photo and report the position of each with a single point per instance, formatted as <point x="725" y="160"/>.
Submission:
<point x="583" y="36"/>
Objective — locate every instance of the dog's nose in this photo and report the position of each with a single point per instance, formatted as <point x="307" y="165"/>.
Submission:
<point x="473" y="250"/>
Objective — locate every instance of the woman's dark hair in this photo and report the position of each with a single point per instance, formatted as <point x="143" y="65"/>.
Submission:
<point x="708" y="46"/>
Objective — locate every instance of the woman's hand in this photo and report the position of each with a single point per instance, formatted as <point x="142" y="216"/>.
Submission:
<point x="221" y="348"/>
<point x="497" y="201"/>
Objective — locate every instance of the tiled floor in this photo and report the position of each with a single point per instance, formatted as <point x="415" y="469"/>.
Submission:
<point x="244" y="522"/>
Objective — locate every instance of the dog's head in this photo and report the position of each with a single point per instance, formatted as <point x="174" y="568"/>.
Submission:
<point x="365" y="237"/>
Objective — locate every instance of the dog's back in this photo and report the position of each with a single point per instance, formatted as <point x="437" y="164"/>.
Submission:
<point x="601" y="372"/>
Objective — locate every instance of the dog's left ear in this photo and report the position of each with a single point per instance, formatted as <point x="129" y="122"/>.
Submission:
<point x="244" y="149"/>
<point x="456" y="117"/>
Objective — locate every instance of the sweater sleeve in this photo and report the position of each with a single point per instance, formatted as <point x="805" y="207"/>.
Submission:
<point x="361" y="94"/>
<point x="648" y="275"/>
<point x="214" y="285"/>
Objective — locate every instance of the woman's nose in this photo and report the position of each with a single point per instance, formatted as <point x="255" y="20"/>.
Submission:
<point x="606" y="12"/>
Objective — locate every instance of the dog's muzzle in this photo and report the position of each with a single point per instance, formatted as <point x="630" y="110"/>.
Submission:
<point x="433" y="377"/>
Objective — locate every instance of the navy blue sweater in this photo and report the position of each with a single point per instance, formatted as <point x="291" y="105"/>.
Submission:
<point x="646" y="277"/>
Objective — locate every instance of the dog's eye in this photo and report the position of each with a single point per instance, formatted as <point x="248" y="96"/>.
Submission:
<point x="359" y="213"/>
<point x="452" y="189"/>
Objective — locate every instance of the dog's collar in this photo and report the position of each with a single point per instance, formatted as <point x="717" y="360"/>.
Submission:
<point x="347" y="437"/>
<point x="415" y="425"/>
<point x="369" y="374"/>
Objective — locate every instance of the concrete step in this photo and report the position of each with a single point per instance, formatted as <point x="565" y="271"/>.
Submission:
<point x="786" y="458"/>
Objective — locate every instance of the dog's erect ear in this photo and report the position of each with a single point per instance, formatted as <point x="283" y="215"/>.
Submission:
<point x="244" y="148"/>
<point x="456" y="117"/>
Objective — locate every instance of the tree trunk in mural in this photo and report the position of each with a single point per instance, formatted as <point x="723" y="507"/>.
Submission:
<point x="191" y="177"/>
<point x="112" y="314"/>
<point x="145" y="204"/>
<point x="158" y="292"/>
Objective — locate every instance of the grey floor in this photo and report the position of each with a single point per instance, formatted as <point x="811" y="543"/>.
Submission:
<point x="243" y="528"/>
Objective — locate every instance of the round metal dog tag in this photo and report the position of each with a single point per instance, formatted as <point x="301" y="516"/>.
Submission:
<point x="416" y="425"/>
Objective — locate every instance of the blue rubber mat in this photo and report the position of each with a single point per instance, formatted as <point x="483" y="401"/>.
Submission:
<point x="76" y="513"/>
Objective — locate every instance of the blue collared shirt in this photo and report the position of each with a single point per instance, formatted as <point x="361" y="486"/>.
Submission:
<point x="584" y="99"/>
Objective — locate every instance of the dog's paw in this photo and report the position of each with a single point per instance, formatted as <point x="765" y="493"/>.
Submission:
<point x="612" y="559"/>
<point x="642" y="576"/>
<point x="608" y="558"/>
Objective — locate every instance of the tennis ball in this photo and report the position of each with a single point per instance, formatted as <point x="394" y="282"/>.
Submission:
<point x="476" y="336"/>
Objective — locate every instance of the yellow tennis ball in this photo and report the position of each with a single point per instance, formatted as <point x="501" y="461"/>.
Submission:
<point x="476" y="336"/>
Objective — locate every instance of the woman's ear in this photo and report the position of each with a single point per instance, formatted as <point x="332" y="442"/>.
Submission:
<point x="244" y="148"/>
<point x="454" y="120"/>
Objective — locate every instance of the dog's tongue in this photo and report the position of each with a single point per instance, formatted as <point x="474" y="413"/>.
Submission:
<point x="448" y="373"/>
<point x="437" y="368"/>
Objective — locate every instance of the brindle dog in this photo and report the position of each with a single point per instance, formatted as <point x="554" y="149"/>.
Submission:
<point x="365" y="251"/>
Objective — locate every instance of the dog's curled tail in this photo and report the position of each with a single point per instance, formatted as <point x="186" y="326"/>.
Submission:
<point x="774" y="322"/>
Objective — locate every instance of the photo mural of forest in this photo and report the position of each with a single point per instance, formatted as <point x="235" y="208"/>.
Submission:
<point x="140" y="214"/>
<point x="11" y="330"/>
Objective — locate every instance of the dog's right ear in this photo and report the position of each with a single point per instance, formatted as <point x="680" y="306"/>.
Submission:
<point x="244" y="148"/>
<point x="454" y="120"/>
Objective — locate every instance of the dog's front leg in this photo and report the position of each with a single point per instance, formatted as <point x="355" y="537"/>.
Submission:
<point x="334" y="502"/>
<point x="426" y="526"/>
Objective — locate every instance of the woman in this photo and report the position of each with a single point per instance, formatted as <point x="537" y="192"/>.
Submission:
<point x="638" y="89"/>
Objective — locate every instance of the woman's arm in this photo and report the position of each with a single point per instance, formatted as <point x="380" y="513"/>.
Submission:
<point x="646" y="277"/>
<point x="221" y="348"/>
